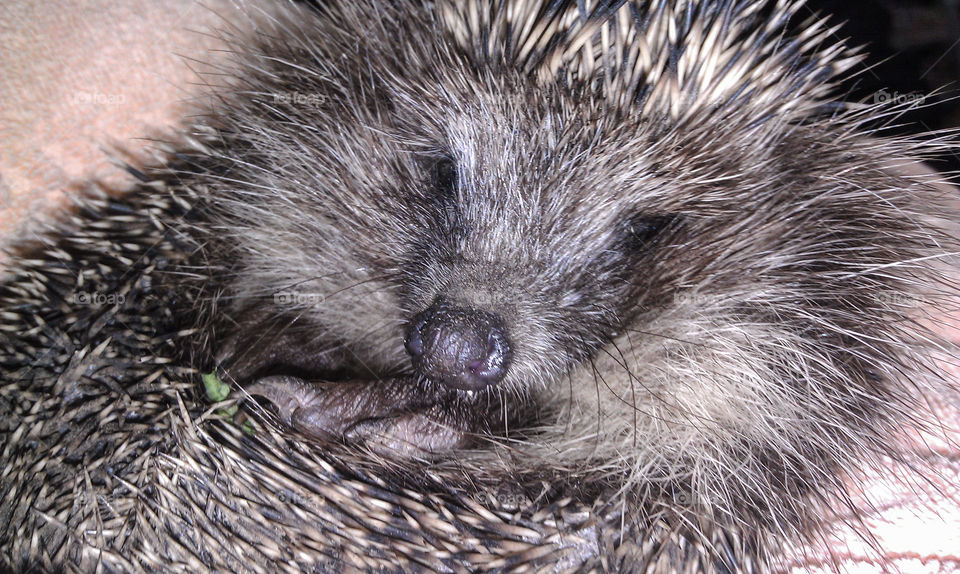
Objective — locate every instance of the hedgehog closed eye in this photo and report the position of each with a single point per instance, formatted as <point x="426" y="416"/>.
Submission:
<point x="641" y="230"/>
<point x="444" y="178"/>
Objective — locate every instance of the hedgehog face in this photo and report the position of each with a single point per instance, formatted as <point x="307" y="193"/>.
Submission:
<point x="521" y="265"/>
<point x="473" y="241"/>
<point x="481" y="237"/>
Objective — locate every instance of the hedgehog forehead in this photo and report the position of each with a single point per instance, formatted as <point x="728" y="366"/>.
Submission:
<point x="532" y="160"/>
<point x="528" y="209"/>
<point x="527" y="165"/>
<point x="551" y="162"/>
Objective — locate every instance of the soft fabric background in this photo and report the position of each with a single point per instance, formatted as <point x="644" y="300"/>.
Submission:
<point x="81" y="82"/>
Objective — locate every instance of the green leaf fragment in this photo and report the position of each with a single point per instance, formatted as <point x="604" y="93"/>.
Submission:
<point x="216" y="389"/>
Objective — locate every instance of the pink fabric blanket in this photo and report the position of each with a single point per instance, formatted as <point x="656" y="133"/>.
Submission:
<point x="81" y="82"/>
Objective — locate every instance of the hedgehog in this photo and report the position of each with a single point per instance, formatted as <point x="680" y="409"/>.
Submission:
<point x="571" y="286"/>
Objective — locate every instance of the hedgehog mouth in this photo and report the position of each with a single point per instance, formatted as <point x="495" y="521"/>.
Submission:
<point x="396" y="416"/>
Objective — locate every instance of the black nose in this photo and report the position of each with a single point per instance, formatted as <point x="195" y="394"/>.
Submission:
<point x="462" y="348"/>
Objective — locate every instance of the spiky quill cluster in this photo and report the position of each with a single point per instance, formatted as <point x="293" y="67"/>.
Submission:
<point x="708" y="273"/>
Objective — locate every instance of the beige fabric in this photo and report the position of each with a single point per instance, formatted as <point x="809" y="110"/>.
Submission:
<point x="913" y="521"/>
<point x="81" y="81"/>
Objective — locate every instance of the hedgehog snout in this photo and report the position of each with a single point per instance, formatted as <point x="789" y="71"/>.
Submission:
<point x="463" y="348"/>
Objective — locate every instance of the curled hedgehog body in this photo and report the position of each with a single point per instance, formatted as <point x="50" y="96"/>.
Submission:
<point x="530" y="285"/>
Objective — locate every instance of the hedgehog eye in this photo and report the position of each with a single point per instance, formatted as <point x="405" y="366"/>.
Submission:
<point x="641" y="230"/>
<point x="443" y="176"/>
<point x="442" y="191"/>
